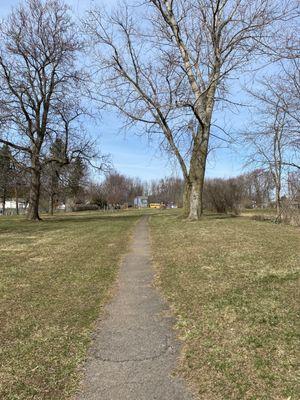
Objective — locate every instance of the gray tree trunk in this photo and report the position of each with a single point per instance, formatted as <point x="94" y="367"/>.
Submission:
<point x="197" y="175"/>
<point x="196" y="195"/>
<point x="278" y="201"/>
<point x="186" y="199"/>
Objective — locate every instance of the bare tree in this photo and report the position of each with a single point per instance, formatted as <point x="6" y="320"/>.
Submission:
<point x="294" y="185"/>
<point x="275" y="134"/>
<point x="270" y="139"/>
<point x="169" y="71"/>
<point x="279" y="92"/>
<point x="279" y="97"/>
<point x="167" y="190"/>
<point x="258" y="186"/>
<point x="38" y="50"/>
<point x="118" y="189"/>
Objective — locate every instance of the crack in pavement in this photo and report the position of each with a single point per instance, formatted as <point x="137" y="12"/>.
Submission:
<point x="154" y="357"/>
<point x="134" y="350"/>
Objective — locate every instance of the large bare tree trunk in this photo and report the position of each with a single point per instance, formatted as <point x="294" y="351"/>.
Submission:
<point x="197" y="175"/>
<point x="34" y="197"/>
<point x="195" y="202"/>
<point x="186" y="198"/>
<point x="196" y="198"/>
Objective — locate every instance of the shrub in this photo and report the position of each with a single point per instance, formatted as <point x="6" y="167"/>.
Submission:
<point x="223" y="195"/>
<point x="85" y="207"/>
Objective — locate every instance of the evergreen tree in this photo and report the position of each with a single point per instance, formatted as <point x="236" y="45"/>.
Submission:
<point x="53" y="172"/>
<point x="76" y="178"/>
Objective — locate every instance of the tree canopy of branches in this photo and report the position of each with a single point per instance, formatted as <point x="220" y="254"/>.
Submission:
<point x="118" y="189"/>
<point x="274" y="138"/>
<point x="168" y="67"/>
<point x="274" y="132"/>
<point x="40" y="85"/>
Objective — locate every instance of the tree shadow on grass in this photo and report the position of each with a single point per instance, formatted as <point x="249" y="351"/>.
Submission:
<point x="220" y="216"/>
<point x="206" y="216"/>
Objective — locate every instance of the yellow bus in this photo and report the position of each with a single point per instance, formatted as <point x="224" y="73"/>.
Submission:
<point x="155" y="205"/>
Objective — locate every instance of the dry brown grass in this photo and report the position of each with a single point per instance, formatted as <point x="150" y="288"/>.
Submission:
<point x="55" y="277"/>
<point x="234" y="285"/>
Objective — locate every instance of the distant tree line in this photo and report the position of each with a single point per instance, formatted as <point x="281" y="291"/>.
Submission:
<point x="167" y="190"/>
<point x="71" y="187"/>
<point x="254" y="189"/>
<point x="115" y="190"/>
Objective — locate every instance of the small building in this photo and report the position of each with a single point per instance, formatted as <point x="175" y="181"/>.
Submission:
<point x="11" y="206"/>
<point x="141" y="202"/>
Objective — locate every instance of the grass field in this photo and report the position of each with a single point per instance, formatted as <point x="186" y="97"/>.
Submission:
<point x="234" y="286"/>
<point x="55" y="276"/>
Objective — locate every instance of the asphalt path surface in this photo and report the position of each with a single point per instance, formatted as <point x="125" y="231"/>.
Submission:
<point x="134" y="351"/>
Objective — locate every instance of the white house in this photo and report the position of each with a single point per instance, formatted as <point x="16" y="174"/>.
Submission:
<point x="141" y="202"/>
<point x="11" y="205"/>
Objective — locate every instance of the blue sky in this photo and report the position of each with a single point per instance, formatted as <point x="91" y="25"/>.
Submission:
<point x="133" y="155"/>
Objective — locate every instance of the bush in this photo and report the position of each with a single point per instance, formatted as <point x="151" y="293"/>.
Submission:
<point x="223" y="195"/>
<point x="261" y="217"/>
<point x="85" y="207"/>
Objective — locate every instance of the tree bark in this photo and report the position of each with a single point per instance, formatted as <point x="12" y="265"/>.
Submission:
<point x="197" y="175"/>
<point x="34" y="197"/>
<point x="51" y="204"/>
<point x="186" y="198"/>
<point x="278" y="202"/>
<point x="196" y="195"/>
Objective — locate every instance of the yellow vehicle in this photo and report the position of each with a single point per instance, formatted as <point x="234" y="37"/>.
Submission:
<point x="155" y="205"/>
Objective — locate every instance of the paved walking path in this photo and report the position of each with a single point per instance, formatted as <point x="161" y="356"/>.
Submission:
<point x="135" y="351"/>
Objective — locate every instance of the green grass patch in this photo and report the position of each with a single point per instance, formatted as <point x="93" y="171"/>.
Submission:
<point x="234" y="286"/>
<point x="55" y="277"/>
